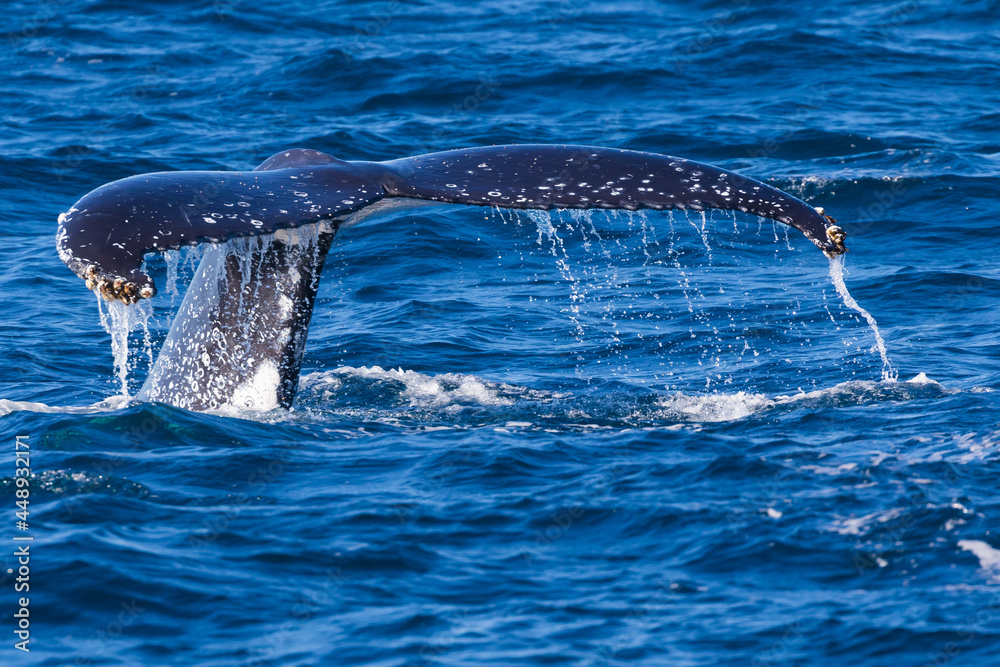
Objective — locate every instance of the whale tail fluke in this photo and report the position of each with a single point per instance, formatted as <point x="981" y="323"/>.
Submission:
<point x="240" y="332"/>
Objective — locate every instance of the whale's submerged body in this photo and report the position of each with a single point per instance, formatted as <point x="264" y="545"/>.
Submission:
<point x="240" y="332"/>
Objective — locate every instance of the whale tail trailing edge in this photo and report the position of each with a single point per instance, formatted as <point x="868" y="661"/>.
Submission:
<point x="240" y="332"/>
<point x="580" y="177"/>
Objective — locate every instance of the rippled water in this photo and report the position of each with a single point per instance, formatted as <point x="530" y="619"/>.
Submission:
<point x="525" y="439"/>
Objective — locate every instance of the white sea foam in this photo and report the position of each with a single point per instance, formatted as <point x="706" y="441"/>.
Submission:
<point x="721" y="406"/>
<point x="989" y="558"/>
<point x="449" y="391"/>
<point x="424" y="391"/>
<point x="921" y="378"/>
<point x="718" y="407"/>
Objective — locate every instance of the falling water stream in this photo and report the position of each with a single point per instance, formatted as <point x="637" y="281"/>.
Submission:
<point x="120" y="320"/>
<point x="889" y="374"/>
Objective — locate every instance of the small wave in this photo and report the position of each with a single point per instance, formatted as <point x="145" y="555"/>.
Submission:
<point x="989" y="558"/>
<point x="864" y="525"/>
<point x="976" y="447"/>
<point x="391" y="394"/>
<point x="381" y="394"/>
<point x="721" y="407"/>
<point x="107" y="405"/>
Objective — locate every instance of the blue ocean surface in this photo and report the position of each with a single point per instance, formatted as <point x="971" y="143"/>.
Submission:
<point x="523" y="439"/>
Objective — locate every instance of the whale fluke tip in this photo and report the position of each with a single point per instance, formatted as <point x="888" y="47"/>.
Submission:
<point x="836" y="235"/>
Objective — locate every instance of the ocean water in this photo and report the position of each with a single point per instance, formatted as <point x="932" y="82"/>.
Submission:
<point x="592" y="439"/>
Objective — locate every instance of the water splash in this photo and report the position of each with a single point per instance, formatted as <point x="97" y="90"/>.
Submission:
<point x="237" y="313"/>
<point x="610" y="273"/>
<point x="889" y="374"/>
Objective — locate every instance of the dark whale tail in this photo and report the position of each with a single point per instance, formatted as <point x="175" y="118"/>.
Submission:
<point x="240" y="332"/>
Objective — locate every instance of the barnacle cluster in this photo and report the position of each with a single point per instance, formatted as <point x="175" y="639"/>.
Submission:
<point x="116" y="289"/>
<point x="835" y="233"/>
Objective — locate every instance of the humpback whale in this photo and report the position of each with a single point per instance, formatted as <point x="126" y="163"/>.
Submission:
<point x="240" y="332"/>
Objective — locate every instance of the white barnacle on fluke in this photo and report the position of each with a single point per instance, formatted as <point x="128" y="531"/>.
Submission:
<point x="836" y="234"/>
<point x="280" y="243"/>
